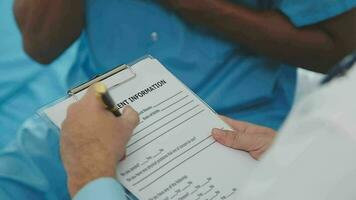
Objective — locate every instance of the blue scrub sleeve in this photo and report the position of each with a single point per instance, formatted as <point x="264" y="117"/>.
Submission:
<point x="100" y="188"/>
<point x="307" y="12"/>
<point x="31" y="168"/>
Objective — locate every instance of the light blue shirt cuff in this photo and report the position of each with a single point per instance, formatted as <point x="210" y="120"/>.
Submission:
<point x="102" y="188"/>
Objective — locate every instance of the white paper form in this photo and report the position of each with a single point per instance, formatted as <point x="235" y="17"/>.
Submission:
<point x="171" y="155"/>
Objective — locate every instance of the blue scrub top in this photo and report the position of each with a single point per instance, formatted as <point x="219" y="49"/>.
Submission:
<point x="231" y="79"/>
<point x="221" y="73"/>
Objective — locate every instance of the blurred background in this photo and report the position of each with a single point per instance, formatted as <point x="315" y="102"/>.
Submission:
<point x="19" y="76"/>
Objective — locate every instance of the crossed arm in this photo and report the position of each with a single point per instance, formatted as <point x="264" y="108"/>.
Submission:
<point x="316" y="47"/>
<point x="50" y="26"/>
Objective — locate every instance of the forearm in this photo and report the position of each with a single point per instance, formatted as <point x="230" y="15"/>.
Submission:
<point x="49" y="27"/>
<point x="269" y="33"/>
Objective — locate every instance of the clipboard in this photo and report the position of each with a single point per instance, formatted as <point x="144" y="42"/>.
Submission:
<point x="172" y="142"/>
<point x="74" y="92"/>
<point x="118" y="69"/>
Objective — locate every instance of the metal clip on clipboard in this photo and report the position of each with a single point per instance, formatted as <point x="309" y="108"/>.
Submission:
<point x="108" y="74"/>
<point x="102" y="77"/>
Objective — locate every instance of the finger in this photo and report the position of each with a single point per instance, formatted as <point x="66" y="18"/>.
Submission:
<point x="92" y="99"/>
<point x="233" y="139"/>
<point x="123" y="157"/>
<point x="235" y="124"/>
<point x="130" y="116"/>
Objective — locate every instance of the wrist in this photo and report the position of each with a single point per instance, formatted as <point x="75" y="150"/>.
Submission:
<point x="82" y="173"/>
<point x="79" y="180"/>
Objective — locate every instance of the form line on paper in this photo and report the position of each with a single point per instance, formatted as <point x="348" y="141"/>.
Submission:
<point x="177" y="166"/>
<point x="208" y="191"/>
<point x="208" y="181"/>
<point x="162" y="117"/>
<point x="194" y="191"/>
<point x="216" y="195"/>
<point x="150" y="133"/>
<point x="165" y="164"/>
<point x="176" y="194"/>
<point x="165" y="133"/>
<point x="186" y="187"/>
<point x="174" y="103"/>
<point x="160" y="152"/>
<point x="168" y="99"/>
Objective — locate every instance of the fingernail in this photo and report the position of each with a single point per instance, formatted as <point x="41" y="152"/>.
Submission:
<point x="128" y="110"/>
<point x="123" y="111"/>
<point x="217" y="132"/>
<point x="123" y="158"/>
<point x="130" y="114"/>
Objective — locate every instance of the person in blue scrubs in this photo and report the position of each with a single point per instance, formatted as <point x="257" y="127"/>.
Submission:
<point x="238" y="57"/>
<point x="22" y="80"/>
<point x="243" y="50"/>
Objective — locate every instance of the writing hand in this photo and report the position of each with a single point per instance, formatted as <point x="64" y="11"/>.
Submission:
<point x="93" y="140"/>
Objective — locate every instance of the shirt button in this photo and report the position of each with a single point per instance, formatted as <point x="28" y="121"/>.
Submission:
<point x="154" y="36"/>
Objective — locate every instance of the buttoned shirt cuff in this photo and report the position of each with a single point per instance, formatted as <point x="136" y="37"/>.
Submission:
<point x="102" y="188"/>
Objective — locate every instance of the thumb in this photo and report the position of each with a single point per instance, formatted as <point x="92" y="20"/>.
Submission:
<point x="130" y="116"/>
<point x="233" y="139"/>
<point x="91" y="98"/>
